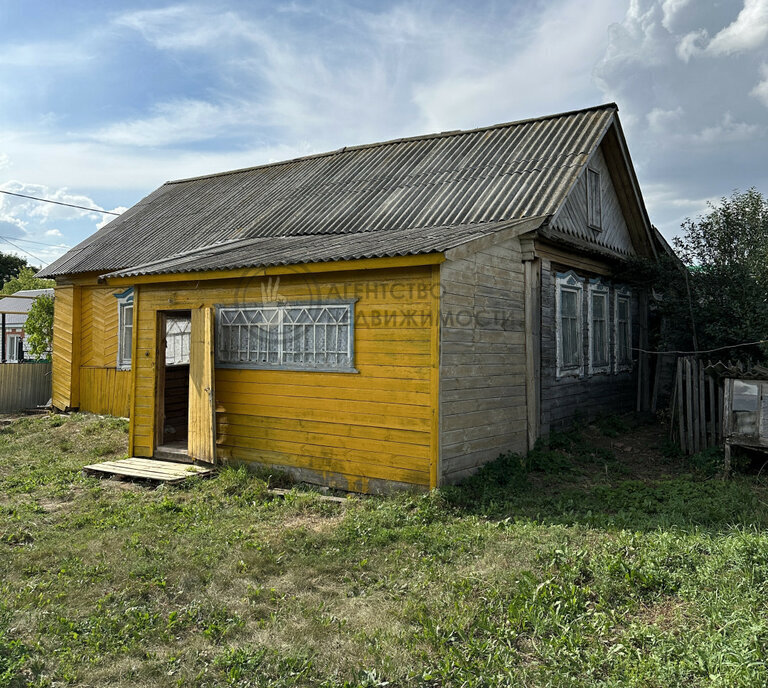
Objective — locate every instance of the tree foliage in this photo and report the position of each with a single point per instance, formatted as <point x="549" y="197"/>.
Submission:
<point x="39" y="328"/>
<point x="10" y="266"/>
<point x="25" y="279"/>
<point x="718" y="296"/>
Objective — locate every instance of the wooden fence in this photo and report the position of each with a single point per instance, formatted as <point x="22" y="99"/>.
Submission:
<point x="697" y="407"/>
<point x="24" y="386"/>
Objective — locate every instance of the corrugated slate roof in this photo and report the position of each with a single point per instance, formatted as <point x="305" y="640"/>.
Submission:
<point x="423" y="184"/>
<point x="319" y="248"/>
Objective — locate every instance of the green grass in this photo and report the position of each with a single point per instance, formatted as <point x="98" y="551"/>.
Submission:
<point x="574" y="566"/>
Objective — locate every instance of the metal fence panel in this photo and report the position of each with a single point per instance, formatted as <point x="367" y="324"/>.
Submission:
<point x="24" y="386"/>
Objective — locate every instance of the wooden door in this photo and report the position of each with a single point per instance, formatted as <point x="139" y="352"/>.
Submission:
<point x="202" y="396"/>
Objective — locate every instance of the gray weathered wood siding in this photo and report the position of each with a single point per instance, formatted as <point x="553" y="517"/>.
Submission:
<point x="566" y="399"/>
<point x="482" y="359"/>
<point x="571" y="219"/>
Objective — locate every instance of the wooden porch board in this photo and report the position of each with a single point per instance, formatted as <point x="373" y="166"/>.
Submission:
<point x="148" y="469"/>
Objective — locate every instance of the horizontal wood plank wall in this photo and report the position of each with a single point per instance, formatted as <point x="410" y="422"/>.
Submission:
<point x="482" y="359"/>
<point x="572" y="217"/>
<point x="566" y="399"/>
<point x="103" y="388"/>
<point x="66" y="347"/>
<point x="359" y="431"/>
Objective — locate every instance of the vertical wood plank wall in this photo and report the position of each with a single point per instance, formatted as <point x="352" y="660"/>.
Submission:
<point x="565" y="399"/>
<point x="360" y="431"/>
<point x="103" y="388"/>
<point x="482" y="359"/>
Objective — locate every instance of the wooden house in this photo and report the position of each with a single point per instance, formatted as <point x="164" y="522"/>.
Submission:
<point x="14" y="309"/>
<point x="394" y="314"/>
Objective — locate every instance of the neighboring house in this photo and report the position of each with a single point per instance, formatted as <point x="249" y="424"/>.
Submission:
<point x="395" y="314"/>
<point x="13" y="316"/>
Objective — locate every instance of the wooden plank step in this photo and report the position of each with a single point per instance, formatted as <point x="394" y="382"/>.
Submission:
<point x="148" y="469"/>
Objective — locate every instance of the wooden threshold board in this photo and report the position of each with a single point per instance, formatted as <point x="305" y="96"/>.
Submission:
<point x="149" y="469"/>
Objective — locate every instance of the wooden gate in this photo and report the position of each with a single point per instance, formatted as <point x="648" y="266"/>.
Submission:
<point x="697" y="407"/>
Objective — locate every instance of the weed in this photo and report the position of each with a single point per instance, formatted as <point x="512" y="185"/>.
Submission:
<point x="551" y="569"/>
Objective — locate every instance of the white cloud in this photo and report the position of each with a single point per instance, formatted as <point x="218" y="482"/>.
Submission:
<point x="671" y="9"/>
<point x="660" y="120"/>
<point x="53" y="233"/>
<point x="42" y="54"/>
<point x="728" y="130"/>
<point x="692" y="44"/>
<point x="175" y="122"/>
<point x="692" y="127"/>
<point x="748" y="32"/>
<point x="760" y="91"/>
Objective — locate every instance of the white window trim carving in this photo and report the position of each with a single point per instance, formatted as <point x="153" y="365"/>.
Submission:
<point x="569" y="281"/>
<point x="597" y="286"/>
<point x="279" y="311"/>
<point x="622" y="293"/>
<point x="124" y="301"/>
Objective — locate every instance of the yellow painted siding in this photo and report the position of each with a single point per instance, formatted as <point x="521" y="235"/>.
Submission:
<point x="66" y="347"/>
<point x="103" y="388"/>
<point x="347" y="429"/>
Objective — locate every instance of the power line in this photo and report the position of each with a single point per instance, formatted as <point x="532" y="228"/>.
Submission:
<point x="39" y="243"/>
<point x="706" y="351"/>
<point x="18" y="248"/>
<point x="48" y="200"/>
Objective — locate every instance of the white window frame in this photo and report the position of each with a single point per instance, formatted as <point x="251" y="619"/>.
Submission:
<point x="124" y="302"/>
<point x="12" y="348"/>
<point x="598" y="287"/>
<point x="590" y="174"/>
<point x="569" y="281"/>
<point x="177" y="340"/>
<point x="621" y="293"/>
<point x="281" y="364"/>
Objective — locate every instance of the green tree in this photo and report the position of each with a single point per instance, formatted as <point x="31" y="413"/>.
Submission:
<point x="10" y="266"/>
<point x="718" y="297"/>
<point x="38" y="330"/>
<point x="25" y="279"/>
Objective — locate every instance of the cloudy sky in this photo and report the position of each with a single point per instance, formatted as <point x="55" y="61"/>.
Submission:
<point x="102" y="102"/>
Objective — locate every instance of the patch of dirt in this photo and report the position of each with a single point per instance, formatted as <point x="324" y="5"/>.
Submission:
<point x="317" y="523"/>
<point x="638" y="451"/>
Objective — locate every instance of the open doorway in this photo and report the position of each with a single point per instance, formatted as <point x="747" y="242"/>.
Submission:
<point x="174" y="329"/>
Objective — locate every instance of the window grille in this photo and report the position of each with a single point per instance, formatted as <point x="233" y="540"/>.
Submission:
<point x="305" y="337"/>
<point x="177" y="333"/>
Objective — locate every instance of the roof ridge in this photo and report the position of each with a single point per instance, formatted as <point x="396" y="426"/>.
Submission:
<point x="389" y="142"/>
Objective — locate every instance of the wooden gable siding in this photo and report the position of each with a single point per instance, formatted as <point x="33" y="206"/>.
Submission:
<point x="103" y="388"/>
<point x="571" y="219"/>
<point x="358" y="431"/>
<point x="482" y="358"/>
